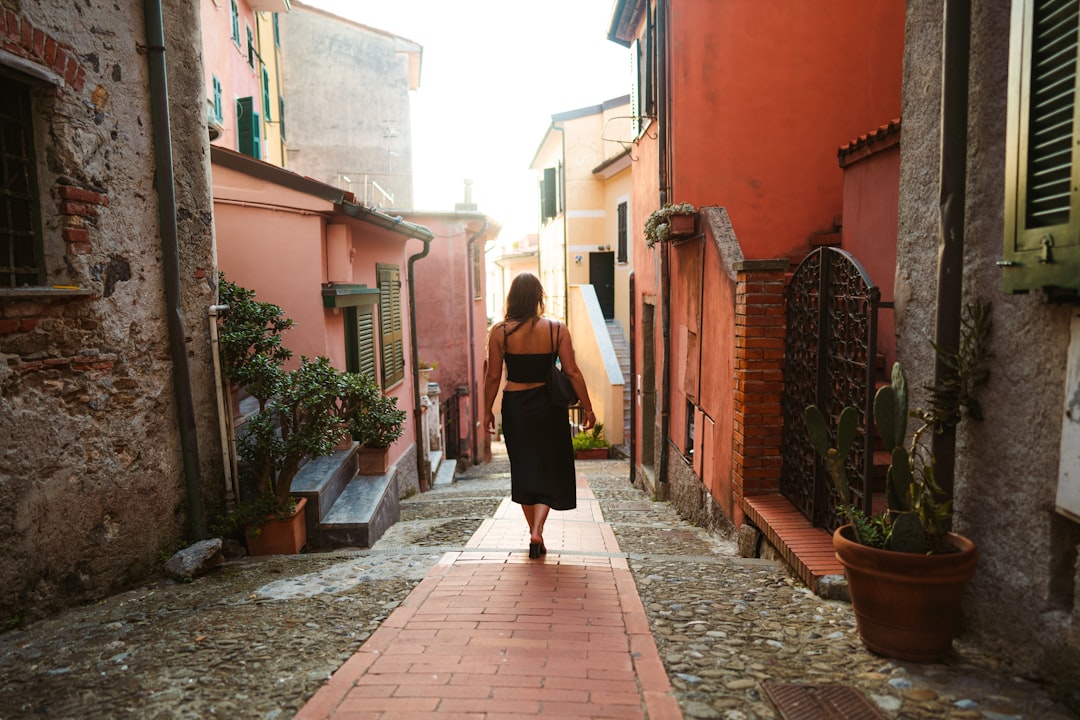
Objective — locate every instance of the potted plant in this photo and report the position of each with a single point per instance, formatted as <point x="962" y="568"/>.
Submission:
<point x="906" y="571"/>
<point x="591" y="444"/>
<point x="299" y="417"/>
<point x="425" y="367"/>
<point x="375" y="422"/>
<point x="670" y="221"/>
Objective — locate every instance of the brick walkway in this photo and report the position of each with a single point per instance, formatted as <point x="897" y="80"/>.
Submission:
<point x="491" y="634"/>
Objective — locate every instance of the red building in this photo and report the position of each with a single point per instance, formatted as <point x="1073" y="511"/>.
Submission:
<point x="740" y="109"/>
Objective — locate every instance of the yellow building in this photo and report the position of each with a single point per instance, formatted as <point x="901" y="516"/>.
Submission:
<point x="585" y="259"/>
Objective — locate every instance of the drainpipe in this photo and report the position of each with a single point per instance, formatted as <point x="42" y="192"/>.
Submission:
<point x="665" y="270"/>
<point x="423" y="468"/>
<point x="474" y="436"/>
<point x="565" y="229"/>
<point x="954" y="120"/>
<point x="170" y="257"/>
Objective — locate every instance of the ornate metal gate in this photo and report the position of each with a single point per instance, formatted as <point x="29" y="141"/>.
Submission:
<point x="831" y="349"/>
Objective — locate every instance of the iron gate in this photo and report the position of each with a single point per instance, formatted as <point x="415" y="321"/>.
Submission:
<point x="830" y="355"/>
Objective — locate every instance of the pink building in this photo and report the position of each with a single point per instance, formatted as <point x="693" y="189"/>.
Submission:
<point x="451" y="323"/>
<point x="340" y="270"/>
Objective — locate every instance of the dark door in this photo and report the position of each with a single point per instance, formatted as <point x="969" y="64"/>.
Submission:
<point x="602" y="278"/>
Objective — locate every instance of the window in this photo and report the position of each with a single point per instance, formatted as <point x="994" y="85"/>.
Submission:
<point x="235" y="13"/>
<point x="689" y="429"/>
<point x="548" y="195"/>
<point x="219" y="113"/>
<point x="277" y="30"/>
<point x="248" y="128"/>
<point x="250" y="48"/>
<point x="360" y="355"/>
<point x="1042" y="207"/>
<point x="266" y="94"/>
<point x="281" y="115"/>
<point x="393" y="347"/>
<point x="621" y="238"/>
<point x="642" y="78"/>
<point x="21" y="260"/>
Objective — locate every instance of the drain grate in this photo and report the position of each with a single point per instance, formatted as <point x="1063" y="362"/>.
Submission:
<point x="796" y="701"/>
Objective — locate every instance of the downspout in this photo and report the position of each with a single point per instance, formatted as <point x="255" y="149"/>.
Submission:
<point x="170" y="258"/>
<point x="954" y="119"/>
<point x="665" y="271"/>
<point x="565" y="228"/>
<point x="474" y="436"/>
<point x="423" y="468"/>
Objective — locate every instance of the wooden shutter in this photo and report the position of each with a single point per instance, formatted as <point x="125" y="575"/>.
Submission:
<point x="360" y="355"/>
<point x="622" y="233"/>
<point x="390" y="325"/>
<point x="248" y="128"/>
<point x="548" y="195"/>
<point x="1042" y="208"/>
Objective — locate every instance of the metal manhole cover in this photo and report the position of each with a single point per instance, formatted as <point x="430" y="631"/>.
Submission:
<point x="797" y="701"/>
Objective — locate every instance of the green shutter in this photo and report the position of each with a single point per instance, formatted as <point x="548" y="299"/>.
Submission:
<point x="393" y="344"/>
<point x="248" y="128"/>
<point x="360" y="341"/>
<point x="548" y="195"/>
<point x="1042" y="208"/>
<point x="266" y="95"/>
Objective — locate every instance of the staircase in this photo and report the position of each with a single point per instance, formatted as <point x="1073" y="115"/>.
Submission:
<point x="344" y="508"/>
<point x="622" y="352"/>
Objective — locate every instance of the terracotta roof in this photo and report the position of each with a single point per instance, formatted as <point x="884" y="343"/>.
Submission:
<point x="882" y="137"/>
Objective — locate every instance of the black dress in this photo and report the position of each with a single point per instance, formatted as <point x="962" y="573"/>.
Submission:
<point x="537" y="435"/>
<point x="540" y="451"/>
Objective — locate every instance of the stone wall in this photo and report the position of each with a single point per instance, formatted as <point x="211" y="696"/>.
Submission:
<point x="91" y="474"/>
<point x="1023" y="597"/>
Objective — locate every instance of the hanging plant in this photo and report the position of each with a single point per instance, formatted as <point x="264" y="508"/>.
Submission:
<point x="658" y="226"/>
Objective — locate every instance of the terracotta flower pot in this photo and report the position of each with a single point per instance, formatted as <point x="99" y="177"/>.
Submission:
<point x="591" y="454"/>
<point x="682" y="226"/>
<point x="373" y="461"/>
<point x="907" y="605"/>
<point x="285" y="536"/>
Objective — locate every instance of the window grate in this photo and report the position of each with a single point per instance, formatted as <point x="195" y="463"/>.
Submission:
<point x="20" y="249"/>
<point x="1053" y="90"/>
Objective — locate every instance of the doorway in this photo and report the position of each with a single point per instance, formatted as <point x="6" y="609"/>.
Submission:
<point x="647" y="386"/>
<point x="602" y="278"/>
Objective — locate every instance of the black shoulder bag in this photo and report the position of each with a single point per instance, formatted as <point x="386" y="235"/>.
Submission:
<point x="559" y="386"/>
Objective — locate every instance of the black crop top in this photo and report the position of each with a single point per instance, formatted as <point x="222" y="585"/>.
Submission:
<point x="528" y="367"/>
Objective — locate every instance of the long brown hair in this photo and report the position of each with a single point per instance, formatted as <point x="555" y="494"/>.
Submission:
<point x="525" y="301"/>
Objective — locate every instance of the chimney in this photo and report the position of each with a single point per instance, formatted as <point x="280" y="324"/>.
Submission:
<point x="468" y="205"/>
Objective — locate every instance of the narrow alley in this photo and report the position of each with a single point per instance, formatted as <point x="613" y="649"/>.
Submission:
<point x="688" y="629"/>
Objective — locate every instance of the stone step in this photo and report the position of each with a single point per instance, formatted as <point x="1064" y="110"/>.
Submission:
<point x="346" y="509"/>
<point x="368" y="506"/>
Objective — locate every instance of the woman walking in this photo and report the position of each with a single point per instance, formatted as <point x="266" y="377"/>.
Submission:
<point x="537" y="433"/>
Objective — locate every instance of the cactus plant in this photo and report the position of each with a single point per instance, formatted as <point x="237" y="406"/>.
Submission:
<point x="918" y="516"/>
<point x="868" y="531"/>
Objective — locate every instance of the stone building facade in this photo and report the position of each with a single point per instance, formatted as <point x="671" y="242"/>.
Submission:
<point x="107" y="401"/>
<point x="1023" y="600"/>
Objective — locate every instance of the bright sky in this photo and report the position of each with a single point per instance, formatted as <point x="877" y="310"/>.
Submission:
<point x="494" y="72"/>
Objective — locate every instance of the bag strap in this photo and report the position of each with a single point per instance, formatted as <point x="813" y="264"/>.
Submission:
<point x="554" y="342"/>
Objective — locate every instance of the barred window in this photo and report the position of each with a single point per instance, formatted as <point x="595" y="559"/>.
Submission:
<point x="21" y="257"/>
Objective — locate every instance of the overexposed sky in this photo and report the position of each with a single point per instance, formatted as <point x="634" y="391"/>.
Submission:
<point x="494" y="72"/>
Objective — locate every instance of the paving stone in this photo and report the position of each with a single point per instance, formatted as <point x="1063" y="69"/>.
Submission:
<point x="257" y="638"/>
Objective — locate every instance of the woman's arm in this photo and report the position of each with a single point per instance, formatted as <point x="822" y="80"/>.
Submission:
<point x="493" y="376"/>
<point x="570" y="367"/>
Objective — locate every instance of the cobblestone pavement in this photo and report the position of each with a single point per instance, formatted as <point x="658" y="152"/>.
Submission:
<point x="256" y="639"/>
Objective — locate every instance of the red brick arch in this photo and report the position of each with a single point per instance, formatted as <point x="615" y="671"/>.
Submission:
<point x="21" y="38"/>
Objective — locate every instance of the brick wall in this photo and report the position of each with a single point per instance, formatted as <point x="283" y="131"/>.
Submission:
<point x="759" y="375"/>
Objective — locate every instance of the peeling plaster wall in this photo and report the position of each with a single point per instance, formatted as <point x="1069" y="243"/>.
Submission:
<point x="1023" y="600"/>
<point x="91" y="480"/>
